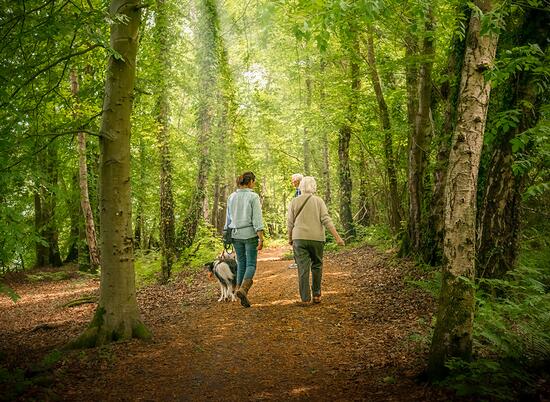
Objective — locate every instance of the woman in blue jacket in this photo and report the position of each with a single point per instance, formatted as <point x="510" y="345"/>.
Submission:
<point x="244" y="219"/>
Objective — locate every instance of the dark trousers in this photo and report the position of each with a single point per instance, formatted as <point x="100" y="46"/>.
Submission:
<point x="309" y="257"/>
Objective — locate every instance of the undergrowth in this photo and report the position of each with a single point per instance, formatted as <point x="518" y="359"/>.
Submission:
<point x="511" y="329"/>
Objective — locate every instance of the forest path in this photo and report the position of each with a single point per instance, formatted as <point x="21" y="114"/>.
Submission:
<point x="359" y="343"/>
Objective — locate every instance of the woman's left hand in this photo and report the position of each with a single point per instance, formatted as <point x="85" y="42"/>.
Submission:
<point x="260" y="245"/>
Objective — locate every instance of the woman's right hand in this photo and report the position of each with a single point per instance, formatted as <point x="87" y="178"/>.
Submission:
<point x="340" y="242"/>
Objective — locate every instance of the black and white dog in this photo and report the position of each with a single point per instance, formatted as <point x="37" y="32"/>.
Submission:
<point x="224" y="268"/>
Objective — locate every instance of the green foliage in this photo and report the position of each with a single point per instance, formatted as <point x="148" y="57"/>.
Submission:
<point x="147" y="267"/>
<point x="511" y="334"/>
<point x="431" y="283"/>
<point x="375" y="235"/>
<point x="207" y="247"/>
<point x="486" y="378"/>
<point x="8" y="291"/>
<point x="13" y="383"/>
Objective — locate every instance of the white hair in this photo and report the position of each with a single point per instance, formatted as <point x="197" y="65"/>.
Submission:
<point x="308" y="185"/>
<point x="297" y="177"/>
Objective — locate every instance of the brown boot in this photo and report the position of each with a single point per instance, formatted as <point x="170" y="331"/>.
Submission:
<point x="243" y="292"/>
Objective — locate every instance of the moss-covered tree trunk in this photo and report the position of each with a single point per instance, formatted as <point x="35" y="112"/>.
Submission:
<point x="167" y="225"/>
<point x="344" y="138"/>
<point x="327" y="193"/>
<point x="453" y="331"/>
<point x="212" y="59"/>
<point x="499" y="217"/>
<point x="117" y="316"/>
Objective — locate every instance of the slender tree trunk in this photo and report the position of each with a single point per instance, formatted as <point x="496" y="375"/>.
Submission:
<point x="363" y="213"/>
<point x="117" y="316"/>
<point x="167" y="226"/>
<point x="344" y="137"/>
<point x="212" y="58"/>
<point x="419" y="141"/>
<point x="307" y="147"/>
<point x="394" y="213"/>
<point x="140" y="238"/>
<point x="93" y="251"/>
<point x="453" y="332"/>
<point x="326" y="159"/>
<point x="45" y="206"/>
<point x="73" y="206"/>
<point x="449" y="93"/>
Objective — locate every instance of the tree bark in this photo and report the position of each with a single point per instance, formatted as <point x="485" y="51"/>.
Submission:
<point x="93" y="251"/>
<point x="419" y="140"/>
<point x="117" y="316"/>
<point x="167" y="226"/>
<point x="449" y="90"/>
<point x="364" y="210"/>
<point x="499" y="217"/>
<point x="45" y="206"/>
<point x="394" y="212"/>
<point x="326" y="158"/>
<point x="453" y="331"/>
<point x="344" y="138"/>
<point x="212" y="59"/>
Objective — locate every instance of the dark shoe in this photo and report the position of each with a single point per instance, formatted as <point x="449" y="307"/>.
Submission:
<point x="242" y="293"/>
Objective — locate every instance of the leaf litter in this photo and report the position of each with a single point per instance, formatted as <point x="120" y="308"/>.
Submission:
<point x="366" y="341"/>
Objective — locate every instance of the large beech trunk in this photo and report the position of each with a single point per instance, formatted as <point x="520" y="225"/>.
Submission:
<point x="453" y="331"/>
<point x="394" y="212"/>
<point x="117" y="315"/>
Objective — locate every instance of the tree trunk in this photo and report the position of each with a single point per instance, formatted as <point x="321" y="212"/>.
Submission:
<point x="139" y="230"/>
<point x="433" y="252"/>
<point x="117" y="316"/>
<point x="394" y="212"/>
<point x="344" y="137"/>
<point x="453" y="331"/>
<point x="307" y="147"/>
<point x="212" y="59"/>
<point x="419" y="141"/>
<point x="326" y="159"/>
<point x="73" y="206"/>
<point x="499" y="217"/>
<point x="45" y="205"/>
<point x="93" y="251"/>
<point x="167" y="227"/>
<point x="363" y="212"/>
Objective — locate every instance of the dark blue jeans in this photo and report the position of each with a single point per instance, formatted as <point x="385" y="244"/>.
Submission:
<point x="247" y="254"/>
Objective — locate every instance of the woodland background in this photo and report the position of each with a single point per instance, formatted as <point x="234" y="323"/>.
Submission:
<point x="364" y="95"/>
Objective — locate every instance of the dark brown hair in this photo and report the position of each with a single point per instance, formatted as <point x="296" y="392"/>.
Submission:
<point x="245" y="178"/>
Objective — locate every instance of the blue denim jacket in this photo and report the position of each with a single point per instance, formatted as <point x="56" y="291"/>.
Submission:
<point x="244" y="214"/>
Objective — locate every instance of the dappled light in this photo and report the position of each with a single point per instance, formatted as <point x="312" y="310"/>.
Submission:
<point x="380" y="168"/>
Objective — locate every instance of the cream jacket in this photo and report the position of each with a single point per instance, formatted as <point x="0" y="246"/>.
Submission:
<point x="311" y="222"/>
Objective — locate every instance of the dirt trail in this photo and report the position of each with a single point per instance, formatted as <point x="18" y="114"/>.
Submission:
<point x="358" y="344"/>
